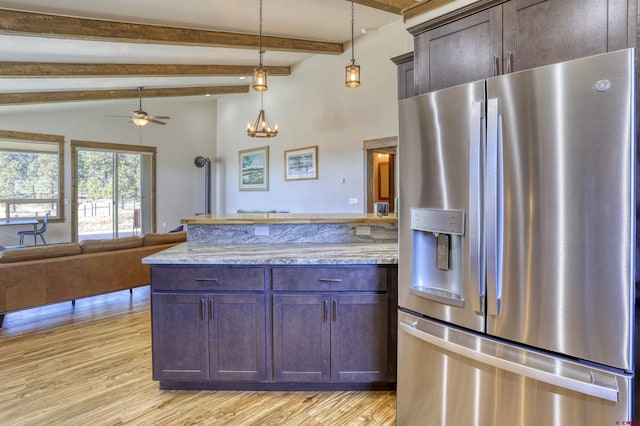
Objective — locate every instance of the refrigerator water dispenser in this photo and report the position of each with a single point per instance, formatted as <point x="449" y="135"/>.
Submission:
<point x="437" y="255"/>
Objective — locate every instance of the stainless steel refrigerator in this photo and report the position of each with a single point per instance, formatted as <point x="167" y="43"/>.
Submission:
<point x="517" y="239"/>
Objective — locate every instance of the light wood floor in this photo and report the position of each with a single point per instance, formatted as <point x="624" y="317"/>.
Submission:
<point x="92" y="366"/>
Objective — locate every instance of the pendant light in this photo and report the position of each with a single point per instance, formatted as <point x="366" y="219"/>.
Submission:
<point x="352" y="71"/>
<point x="261" y="128"/>
<point x="260" y="73"/>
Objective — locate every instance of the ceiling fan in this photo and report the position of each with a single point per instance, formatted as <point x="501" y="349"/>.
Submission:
<point x="140" y="117"/>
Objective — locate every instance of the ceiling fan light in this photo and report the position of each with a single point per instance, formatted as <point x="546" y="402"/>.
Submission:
<point x="140" y="121"/>
<point x="352" y="74"/>
<point x="260" y="79"/>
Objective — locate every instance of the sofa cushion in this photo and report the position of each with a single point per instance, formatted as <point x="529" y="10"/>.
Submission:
<point x="95" y="246"/>
<point x="154" y="239"/>
<point x="40" y="252"/>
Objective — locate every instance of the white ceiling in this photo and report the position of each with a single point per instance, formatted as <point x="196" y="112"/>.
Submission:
<point x="322" y="20"/>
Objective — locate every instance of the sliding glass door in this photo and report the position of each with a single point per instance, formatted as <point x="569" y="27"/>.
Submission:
<point x="113" y="191"/>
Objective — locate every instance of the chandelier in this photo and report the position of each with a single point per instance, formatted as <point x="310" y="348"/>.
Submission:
<point x="261" y="128"/>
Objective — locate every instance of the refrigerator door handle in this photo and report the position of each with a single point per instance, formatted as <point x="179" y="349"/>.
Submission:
<point x="595" y="383"/>
<point x="494" y="207"/>
<point x="477" y="136"/>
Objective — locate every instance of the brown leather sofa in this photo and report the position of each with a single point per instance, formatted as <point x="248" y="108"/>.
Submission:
<point x="36" y="276"/>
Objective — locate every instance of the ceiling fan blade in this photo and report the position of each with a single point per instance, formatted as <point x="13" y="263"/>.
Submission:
<point x="153" y="120"/>
<point x="159" y="117"/>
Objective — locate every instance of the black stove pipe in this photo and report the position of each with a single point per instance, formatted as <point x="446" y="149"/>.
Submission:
<point x="206" y="163"/>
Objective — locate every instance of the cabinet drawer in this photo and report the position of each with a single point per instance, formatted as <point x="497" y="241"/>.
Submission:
<point x="329" y="279"/>
<point x="207" y="278"/>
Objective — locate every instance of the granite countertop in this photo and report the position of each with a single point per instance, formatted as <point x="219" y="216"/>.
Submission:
<point x="286" y="218"/>
<point x="277" y="254"/>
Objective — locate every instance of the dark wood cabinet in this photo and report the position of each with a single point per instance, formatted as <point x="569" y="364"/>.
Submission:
<point x="543" y="32"/>
<point x="359" y="338"/>
<point x="462" y="51"/>
<point x="404" y="66"/>
<point x="288" y="327"/>
<point x="180" y="337"/>
<point x="517" y="35"/>
<point x="200" y="337"/>
<point x="301" y="338"/>
<point x="217" y="334"/>
<point x="339" y="336"/>
<point x="237" y="345"/>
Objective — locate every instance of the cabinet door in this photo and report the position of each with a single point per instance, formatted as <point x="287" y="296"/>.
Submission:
<point x="301" y="338"/>
<point x="406" y="86"/>
<point x="543" y="32"/>
<point x="359" y="337"/>
<point x="179" y="337"/>
<point x="237" y="348"/>
<point x="462" y="51"/>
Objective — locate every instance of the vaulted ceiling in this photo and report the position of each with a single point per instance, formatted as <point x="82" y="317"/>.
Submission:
<point x="78" y="50"/>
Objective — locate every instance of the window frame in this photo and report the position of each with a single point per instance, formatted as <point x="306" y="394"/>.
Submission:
<point x="28" y="137"/>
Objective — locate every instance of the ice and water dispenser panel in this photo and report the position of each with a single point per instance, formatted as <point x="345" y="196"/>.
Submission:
<point x="437" y="255"/>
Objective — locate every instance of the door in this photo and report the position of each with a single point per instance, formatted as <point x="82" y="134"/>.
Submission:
<point x="462" y="51"/>
<point x="452" y="377"/>
<point x="359" y="336"/>
<point x="179" y="337"/>
<point x="561" y="207"/>
<point x="543" y="32"/>
<point x="301" y="338"/>
<point x="440" y="155"/>
<point x="128" y="199"/>
<point x="113" y="190"/>
<point x="237" y="337"/>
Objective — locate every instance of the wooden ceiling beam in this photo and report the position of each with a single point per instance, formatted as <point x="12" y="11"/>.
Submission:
<point x="101" y="95"/>
<point x="423" y="7"/>
<point x="54" y="26"/>
<point x="391" y="6"/>
<point x="78" y="70"/>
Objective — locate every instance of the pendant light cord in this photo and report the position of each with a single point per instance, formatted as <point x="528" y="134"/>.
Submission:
<point x="352" y="48"/>
<point x="260" y="35"/>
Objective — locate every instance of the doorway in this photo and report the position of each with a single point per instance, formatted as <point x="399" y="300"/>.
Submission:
<point x="112" y="190"/>
<point x="380" y="171"/>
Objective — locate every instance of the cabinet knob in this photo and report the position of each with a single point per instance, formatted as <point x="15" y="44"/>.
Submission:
<point x="330" y="280"/>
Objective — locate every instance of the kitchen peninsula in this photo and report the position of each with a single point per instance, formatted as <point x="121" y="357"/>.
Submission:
<point x="273" y="301"/>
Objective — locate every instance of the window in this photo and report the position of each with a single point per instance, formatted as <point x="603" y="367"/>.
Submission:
<point x="31" y="175"/>
<point x="113" y="190"/>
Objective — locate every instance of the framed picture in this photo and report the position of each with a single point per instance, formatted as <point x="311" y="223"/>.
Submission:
<point x="301" y="163"/>
<point x="254" y="169"/>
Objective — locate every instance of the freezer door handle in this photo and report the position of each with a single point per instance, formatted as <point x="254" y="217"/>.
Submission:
<point x="547" y="369"/>
<point x="476" y="251"/>
<point x="494" y="207"/>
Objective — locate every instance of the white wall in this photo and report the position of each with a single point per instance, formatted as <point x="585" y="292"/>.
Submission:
<point x="312" y="106"/>
<point x="190" y="132"/>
